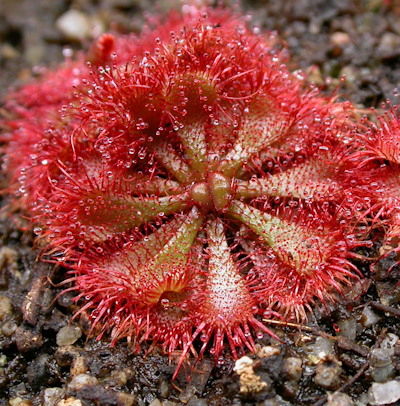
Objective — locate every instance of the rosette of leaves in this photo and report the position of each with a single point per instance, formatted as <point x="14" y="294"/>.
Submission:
<point x="190" y="183"/>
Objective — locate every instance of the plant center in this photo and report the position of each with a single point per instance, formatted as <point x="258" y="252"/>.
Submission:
<point x="214" y="193"/>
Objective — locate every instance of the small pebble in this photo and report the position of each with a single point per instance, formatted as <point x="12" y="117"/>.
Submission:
<point x="381" y="357"/>
<point x="339" y="399"/>
<point x="369" y="317"/>
<point x="52" y="396"/>
<point x="70" y="402"/>
<point x="19" y="402"/>
<point x="68" y="335"/>
<point x="382" y="374"/>
<point x="8" y="328"/>
<point x="290" y="389"/>
<point x="187" y="393"/>
<point x="389" y="46"/>
<point x="390" y="341"/>
<point x="120" y="377"/>
<point x="65" y="356"/>
<point x="199" y="377"/>
<point x="340" y="38"/>
<point x="338" y="41"/>
<point x="389" y="293"/>
<point x="27" y="340"/>
<point x="319" y="350"/>
<point x="268" y="351"/>
<point x="5" y="307"/>
<point x="348" y="328"/>
<point x="126" y="399"/>
<point x="292" y="368"/>
<point x="349" y="73"/>
<point x="74" y="25"/>
<point x="78" y="366"/>
<point x="79" y="381"/>
<point x="195" y="401"/>
<point x="164" y="389"/>
<point x="381" y="366"/>
<point x="155" y="402"/>
<point x="384" y="393"/>
<point x="327" y="375"/>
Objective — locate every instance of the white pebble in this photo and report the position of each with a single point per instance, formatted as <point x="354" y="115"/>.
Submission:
<point x="74" y="25"/>
<point x="242" y="364"/>
<point x="384" y="393"/>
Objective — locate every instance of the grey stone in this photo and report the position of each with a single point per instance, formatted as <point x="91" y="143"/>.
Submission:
<point x="68" y="335"/>
<point x="348" y="328"/>
<point x="292" y="368"/>
<point x="327" y="375"/>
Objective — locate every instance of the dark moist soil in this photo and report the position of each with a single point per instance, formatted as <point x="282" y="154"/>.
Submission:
<point x="347" y="46"/>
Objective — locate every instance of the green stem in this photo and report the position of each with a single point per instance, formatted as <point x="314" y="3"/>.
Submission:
<point x="193" y="140"/>
<point x="295" y="245"/>
<point x="173" y="163"/>
<point x="307" y="181"/>
<point x="147" y="185"/>
<point x="120" y="213"/>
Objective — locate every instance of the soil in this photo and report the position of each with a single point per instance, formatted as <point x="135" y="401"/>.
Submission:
<point x="350" y="47"/>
